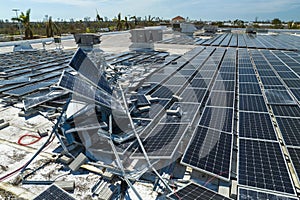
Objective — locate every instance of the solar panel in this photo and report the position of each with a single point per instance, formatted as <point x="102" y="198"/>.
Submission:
<point x="193" y="95"/>
<point x="227" y="70"/>
<point x="250" y="194"/>
<point x="292" y="83"/>
<point x="263" y="73"/>
<point x="278" y="97"/>
<point x="210" y="151"/>
<point x="78" y="86"/>
<point x="165" y="92"/>
<point x="195" y="192"/>
<point x="83" y="65"/>
<point x="156" y="78"/>
<point x="163" y="140"/>
<point x="221" y="99"/>
<point x="42" y="98"/>
<point x="217" y="118"/>
<point x="295" y="156"/>
<point x="244" y="71"/>
<point x="224" y="86"/>
<point x="290" y="130"/>
<point x="247" y="79"/>
<point x="200" y="83"/>
<point x="226" y="76"/>
<point x="270" y="81"/>
<point x="262" y="165"/>
<point x="296" y="93"/>
<point x="30" y="88"/>
<point x="176" y="80"/>
<point x="52" y="193"/>
<point x="286" y="110"/>
<point x="252" y="103"/>
<point x="256" y="125"/>
<point x="249" y="88"/>
<point x="14" y="81"/>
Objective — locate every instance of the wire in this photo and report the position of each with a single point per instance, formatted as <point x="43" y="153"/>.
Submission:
<point x="37" y="138"/>
<point x="211" y="179"/>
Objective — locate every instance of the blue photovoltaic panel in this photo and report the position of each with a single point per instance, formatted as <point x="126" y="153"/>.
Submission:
<point x="295" y="156"/>
<point x="224" y="86"/>
<point x="200" y="83"/>
<point x="84" y="89"/>
<point x="217" y="118"/>
<point x="249" y="88"/>
<point x="262" y="165"/>
<point x="53" y="193"/>
<point x="286" y="110"/>
<point x="209" y="150"/>
<point x="290" y="130"/>
<point x="163" y="140"/>
<point x="83" y="65"/>
<point x="250" y="194"/>
<point x="193" y="95"/>
<point x="165" y="91"/>
<point x="195" y="192"/>
<point x="221" y="99"/>
<point x="248" y="79"/>
<point x="256" y="125"/>
<point x="278" y="97"/>
<point x="30" y="88"/>
<point x="252" y="103"/>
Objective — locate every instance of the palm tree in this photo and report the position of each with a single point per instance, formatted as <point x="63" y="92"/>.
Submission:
<point x="126" y="24"/>
<point x="50" y="26"/>
<point x="99" y="19"/>
<point x="119" y="22"/>
<point x="135" y="19"/>
<point x="25" y="20"/>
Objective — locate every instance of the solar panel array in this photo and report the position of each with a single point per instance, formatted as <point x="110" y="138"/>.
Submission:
<point x="258" y="41"/>
<point x="195" y="192"/>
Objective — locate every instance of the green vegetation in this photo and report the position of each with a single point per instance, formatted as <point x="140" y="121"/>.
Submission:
<point x="25" y="20"/>
<point x="50" y="28"/>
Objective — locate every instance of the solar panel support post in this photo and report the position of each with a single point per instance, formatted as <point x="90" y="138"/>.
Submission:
<point x="49" y="138"/>
<point x="119" y="162"/>
<point x="140" y="142"/>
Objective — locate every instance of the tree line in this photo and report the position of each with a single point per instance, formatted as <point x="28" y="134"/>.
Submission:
<point x="51" y="28"/>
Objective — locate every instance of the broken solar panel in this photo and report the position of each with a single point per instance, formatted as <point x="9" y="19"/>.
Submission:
<point x="210" y="151"/>
<point x="78" y="86"/>
<point x="53" y="193"/>
<point x="163" y="140"/>
<point x="194" y="191"/>
<point x="251" y="194"/>
<point x="83" y="65"/>
<point x="30" y="102"/>
<point x="262" y="165"/>
<point x="281" y="97"/>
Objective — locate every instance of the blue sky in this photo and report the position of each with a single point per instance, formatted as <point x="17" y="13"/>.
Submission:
<point x="194" y="9"/>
